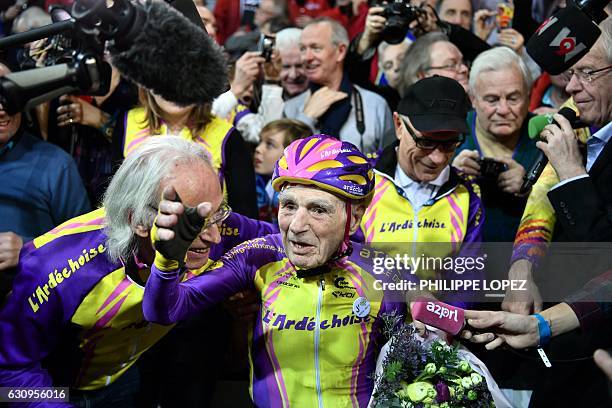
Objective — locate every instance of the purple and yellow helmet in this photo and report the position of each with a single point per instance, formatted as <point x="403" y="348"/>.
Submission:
<point x="328" y="163"/>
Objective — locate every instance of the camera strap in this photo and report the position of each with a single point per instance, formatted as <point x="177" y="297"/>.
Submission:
<point x="358" y="104"/>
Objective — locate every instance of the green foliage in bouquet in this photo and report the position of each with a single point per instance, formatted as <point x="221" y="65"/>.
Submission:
<point x="419" y="376"/>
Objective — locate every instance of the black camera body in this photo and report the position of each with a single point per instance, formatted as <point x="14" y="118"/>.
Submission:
<point x="399" y="14"/>
<point x="62" y="49"/>
<point x="491" y="168"/>
<point x="265" y="46"/>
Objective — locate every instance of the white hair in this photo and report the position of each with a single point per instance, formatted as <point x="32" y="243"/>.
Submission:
<point x="498" y="59"/>
<point x="134" y="191"/>
<point x="288" y="38"/>
<point x="339" y="33"/>
<point x="606" y="38"/>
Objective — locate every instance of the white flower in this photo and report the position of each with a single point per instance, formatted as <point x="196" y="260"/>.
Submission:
<point x="466" y="382"/>
<point x="476" y="378"/>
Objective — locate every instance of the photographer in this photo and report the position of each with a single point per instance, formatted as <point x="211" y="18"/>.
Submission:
<point x="498" y="148"/>
<point x="361" y="53"/>
<point x="283" y="78"/>
<point x="407" y="21"/>
<point x="334" y="105"/>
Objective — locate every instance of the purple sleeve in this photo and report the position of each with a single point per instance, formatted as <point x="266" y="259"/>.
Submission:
<point x="167" y="301"/>
<point x="238" y="229"/>
<point x="31" y="322"/>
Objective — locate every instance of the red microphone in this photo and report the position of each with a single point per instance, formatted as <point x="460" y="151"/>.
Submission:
<point x="439" y="315"/>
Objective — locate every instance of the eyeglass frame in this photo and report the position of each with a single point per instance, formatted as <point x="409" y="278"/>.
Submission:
<point x="438" y="143"/>
<point x="224" y="210"/>
<point x="451" y="67"/>
<point x="585" y="76"/>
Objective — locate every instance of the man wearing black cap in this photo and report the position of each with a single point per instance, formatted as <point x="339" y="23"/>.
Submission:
<point x="419" y="197"/>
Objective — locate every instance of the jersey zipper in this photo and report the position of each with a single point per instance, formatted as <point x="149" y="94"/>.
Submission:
<point x="317" y="339"/>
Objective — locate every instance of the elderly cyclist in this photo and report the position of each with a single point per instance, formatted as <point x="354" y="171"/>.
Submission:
<point x="317" y="291"/>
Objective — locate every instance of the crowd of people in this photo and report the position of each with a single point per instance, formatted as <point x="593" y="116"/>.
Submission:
<point x="150" y="250"/>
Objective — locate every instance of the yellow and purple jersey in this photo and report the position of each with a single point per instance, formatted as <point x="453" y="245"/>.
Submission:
<point x="453" y="216"/>
<point x="70" y="299"/>
<point x="315" y="339"/>
<point x="438" y="229"/>
<point x="212" y="138"/>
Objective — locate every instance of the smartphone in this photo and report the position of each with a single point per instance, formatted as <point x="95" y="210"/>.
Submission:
<point x="491" y="168"/>
<point x="505" y="14"/>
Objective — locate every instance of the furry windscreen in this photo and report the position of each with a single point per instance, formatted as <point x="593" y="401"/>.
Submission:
<point x="174" y="58"/>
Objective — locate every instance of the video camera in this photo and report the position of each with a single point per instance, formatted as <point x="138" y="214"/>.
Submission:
<point x="75" y="46"/>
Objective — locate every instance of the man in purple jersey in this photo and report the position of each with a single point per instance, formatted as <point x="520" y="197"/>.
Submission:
<point x="74" y="317"/>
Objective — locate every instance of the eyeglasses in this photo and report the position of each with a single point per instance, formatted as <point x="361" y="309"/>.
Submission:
<point x="425" y="143"/>
<point x="585" y="75"/>
<point x="455" y="66"/>
<point x="217" y="218"/>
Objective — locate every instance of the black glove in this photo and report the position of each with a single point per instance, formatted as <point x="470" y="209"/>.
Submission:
<point x="170" y="255"/>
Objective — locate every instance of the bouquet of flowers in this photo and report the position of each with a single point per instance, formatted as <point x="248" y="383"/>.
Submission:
<point x="426" y="374"/>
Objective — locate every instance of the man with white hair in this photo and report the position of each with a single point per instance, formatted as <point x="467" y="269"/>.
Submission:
<point x="333" y="105"/>
<point x="498" y="148"/>
<point x="284" y="78"/>
<point x="582" y="203"/>
<point x="76" y="300"/>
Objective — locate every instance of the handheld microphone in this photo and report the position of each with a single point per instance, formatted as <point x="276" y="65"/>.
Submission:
<point x="535" y="127"/>
<point x="439" y="315"/>
<point x="567" y="35"/>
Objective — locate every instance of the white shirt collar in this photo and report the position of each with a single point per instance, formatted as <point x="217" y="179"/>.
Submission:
<point x="404" y="181"/>
<point x="605" y="133"/>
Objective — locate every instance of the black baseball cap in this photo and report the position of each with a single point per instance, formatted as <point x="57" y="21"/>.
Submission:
<point x="436" y="104"/>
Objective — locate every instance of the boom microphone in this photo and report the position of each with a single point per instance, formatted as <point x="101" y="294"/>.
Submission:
<point x="171" y="56"/>
<point x="567" y="35"/>
<point x="152" y="44"/>
<point x="535" y="127"/>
